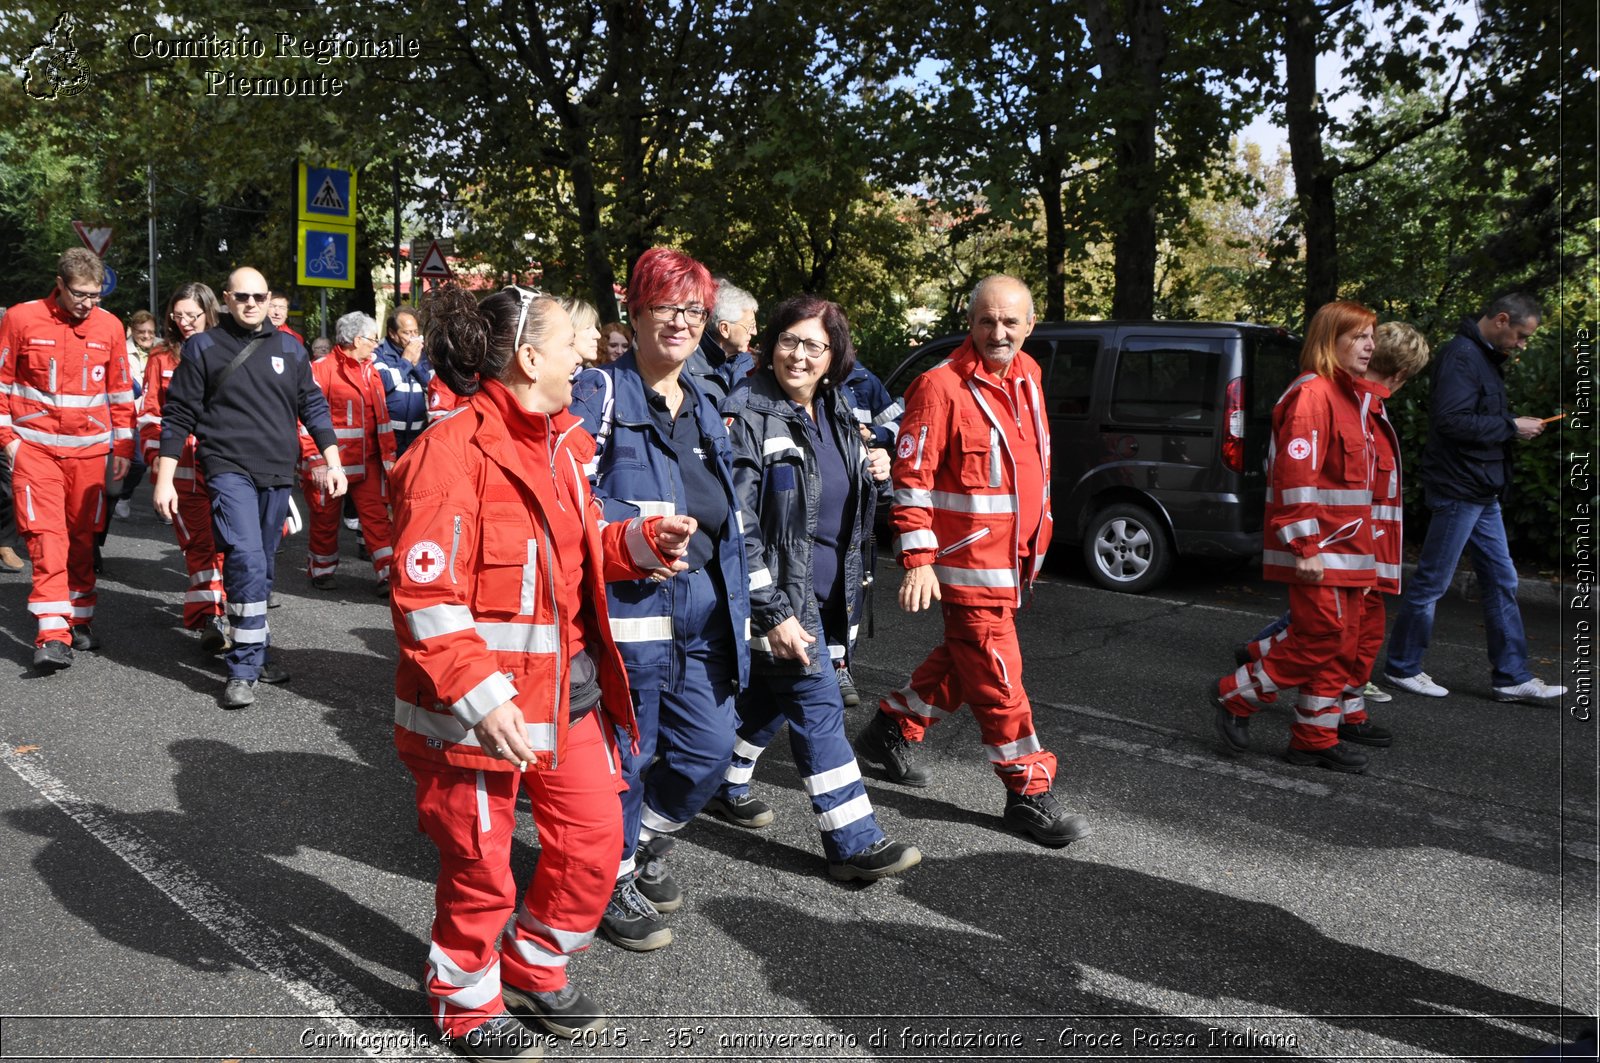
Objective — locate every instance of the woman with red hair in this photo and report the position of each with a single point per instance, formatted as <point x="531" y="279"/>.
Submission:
<point x="662" y="449"/>
<point x="1319" y="541"/>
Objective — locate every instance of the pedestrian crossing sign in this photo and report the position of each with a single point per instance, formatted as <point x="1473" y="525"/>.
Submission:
<point x="326" y="195"/>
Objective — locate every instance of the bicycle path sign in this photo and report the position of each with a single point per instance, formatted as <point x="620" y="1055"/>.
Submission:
<point x="325" y="256"/>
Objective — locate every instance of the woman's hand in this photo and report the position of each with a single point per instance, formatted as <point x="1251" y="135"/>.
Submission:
<point x="503" y="734"/>
<point x="919" y="589"/>
<point x="672" y="539"/>
<point x="878" y="463"/>
<point x="789" y="641"/>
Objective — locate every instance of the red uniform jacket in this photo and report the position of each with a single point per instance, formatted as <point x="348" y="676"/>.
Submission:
<point x="360" y="412"/>
<point x="955" y="481"/>
<point x="1320" y="470"/>
<point x="1388" y="513"/>
<point x="157" y="377"/>
<point x="64" y="384"/>
<point x="441" y="400"/>
<point x="473" y="588"/>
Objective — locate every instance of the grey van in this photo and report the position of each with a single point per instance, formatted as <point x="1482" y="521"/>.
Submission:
<point x="1158" y="434"/>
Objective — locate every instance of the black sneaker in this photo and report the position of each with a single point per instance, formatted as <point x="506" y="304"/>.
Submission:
<point x="654" y="880"/>
<point x="381" y="587"/>
<point x="742" y="811"/>
<point x="1241" y="655"/>
<point x="52" y="657"/>
<point x="1366" y="734"/>
<point x="215" y="637"/>
<point x="273" y="674"/>
<point x="238" y="694"/>
<point x="1042" y="816"/>
<point x="847" y="686"/>
<point x="1233" y="730"/>
<point x="879" y="860"/>
<point x="1337" y="757"/>
<point x="84" y="638"/>
<point x="502" y="1039"/>
<point x="321" y="583"/>
<point x="631" y="922"/>
<point x="883" y="743"/>
<point x="272" y="600"/>
<point x="566" y="1012"/>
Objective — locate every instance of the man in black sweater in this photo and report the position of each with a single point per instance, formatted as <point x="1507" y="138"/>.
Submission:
<point x="239" y="389"/>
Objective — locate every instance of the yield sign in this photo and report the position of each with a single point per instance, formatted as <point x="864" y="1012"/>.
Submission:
<point x="96" y="240"/>
<point x="433" y="263"/>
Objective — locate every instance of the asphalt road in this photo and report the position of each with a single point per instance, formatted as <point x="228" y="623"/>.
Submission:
<point x="185" y="883"/>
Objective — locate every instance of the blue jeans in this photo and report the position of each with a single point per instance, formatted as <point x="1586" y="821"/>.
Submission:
<point x="1456" y="526"/>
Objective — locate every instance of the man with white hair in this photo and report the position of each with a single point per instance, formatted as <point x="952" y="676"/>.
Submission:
<point x="724" y="357"/>
<point x="972" y="511"/>
<point x="239" y="390"/>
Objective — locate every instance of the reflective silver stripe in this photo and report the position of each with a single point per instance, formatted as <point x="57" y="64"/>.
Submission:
<point x="484" y="698"/>
<point x="890" y="414"/>
<point x="1312" y="703"/>
<point x="856" y="808"/>
<point x="50" y="439"/>
<point x="760" y="578"/>
<point x="183" y="472"/>
<point x="761" y="642"/>
<point x="249" y="635"/>
<point x="777" y="445"/>
<point x="915" y="706"/>
<point x="1341" y="562"/>
<point x="48" y="607"/>
<point x="63" y="402"/>
<point x="120" y="396"/>
<point x="648" y="508"/>
<point x="862" y="414"/>
<point x="446" y="728"/>
<point x="202" y="596"/>
<point x="122" y="433"/>
<point x="921" y="539"/>
<point x="436" y="620"/>
<point x="53" y="623"/>
<point x="832" y="779"/>
<point x="1298" y="530"/>
<point x="542" y="737"/>
<point x="1389" y="571"/>
<point x="1388" y="513"/>
<point x="247" y="608"/>
<point x="639" y="544"/>
<point x="148" y="419"/>
<point x="485" y="824"/>
<point x="744" y="749"/>
<point x="384" y="554"/>
<point x="476" y="988"/>
<point x="641" y="628"/>
<point x="913" y="496"/>
<point x="1012" y="750"/>
<point x="657" y="822"/>
<point x="976" y="577"/>
<point x="565" y="940"/>
<point x="738" y="775"/>
<point x="1327" y="496"/>
<point x="955" y="503"/>
<point x="349" y="433"/>
<point x="528" y="596"/>
<point x="513" y="637"/>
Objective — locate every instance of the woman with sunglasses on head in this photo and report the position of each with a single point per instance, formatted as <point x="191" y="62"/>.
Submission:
<point x="192" y="308"/>
<point x="805" y="481"/>
<point x="663" y="448"/>
<point x="508" y="677"/>
<point x="359" y="406"/>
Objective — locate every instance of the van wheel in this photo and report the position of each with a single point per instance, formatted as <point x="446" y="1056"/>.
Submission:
<point x="1127" y="549"/>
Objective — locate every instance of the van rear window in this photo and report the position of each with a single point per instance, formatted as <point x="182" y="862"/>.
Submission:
<point x="1163" y="379"/>
<point x="1273" y="364"/>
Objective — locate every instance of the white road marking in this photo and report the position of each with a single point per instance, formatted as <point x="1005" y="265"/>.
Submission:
<point x="321" y="992"/>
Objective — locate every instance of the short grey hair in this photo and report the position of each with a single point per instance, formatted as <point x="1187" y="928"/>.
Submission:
<point x="1519" y="308"/>
<point x="998" y="278"/>
<point x="352" y="327"/>
<point x="732" y="303"/>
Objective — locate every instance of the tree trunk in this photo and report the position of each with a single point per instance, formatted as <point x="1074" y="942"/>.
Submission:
<point x="1313" y="180"/>
<point x="1055" y="239"/>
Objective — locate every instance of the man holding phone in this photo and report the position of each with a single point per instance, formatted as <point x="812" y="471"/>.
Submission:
<point x="1466" y="469"/>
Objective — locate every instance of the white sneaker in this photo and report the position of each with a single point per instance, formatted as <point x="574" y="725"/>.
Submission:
<point x="1373" y="692"/>
<point x="1535" y="689"/>
<point x="353" y="523"/>
<point x="1421" y="683"/>
<point x="122" y="509"/>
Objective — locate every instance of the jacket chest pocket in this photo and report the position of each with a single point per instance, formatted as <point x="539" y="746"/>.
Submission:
<point x="980" y="454"/>
<point x="508" y="572"/>
<point x="39" y="366"/>
<point x="1386" y="482"/>
<point x="1355" y="459"/>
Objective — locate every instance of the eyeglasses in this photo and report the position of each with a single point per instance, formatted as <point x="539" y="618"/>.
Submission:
<point x="368" y="339"/>
<point x="184" y="319"/>
<point x="788" y="341"/>
<point x="692" y="315"/>
<point x="249" y="297"/>
<point x="81" y="297"/>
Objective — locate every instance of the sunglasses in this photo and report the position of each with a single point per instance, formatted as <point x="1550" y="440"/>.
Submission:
<point x="249" y="297"/>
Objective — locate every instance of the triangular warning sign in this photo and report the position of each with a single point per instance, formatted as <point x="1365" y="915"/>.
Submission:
<point x="96" y="240"/>
<point x="327" y="197"/>
<point x="433" y="263"/>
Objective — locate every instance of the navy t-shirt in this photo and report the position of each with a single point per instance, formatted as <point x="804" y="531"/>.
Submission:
<point x="833" y="512"/>
<point x="703" y="499"/>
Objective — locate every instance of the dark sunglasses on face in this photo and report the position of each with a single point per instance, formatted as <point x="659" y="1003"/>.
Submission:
<point x="249" y="297"/>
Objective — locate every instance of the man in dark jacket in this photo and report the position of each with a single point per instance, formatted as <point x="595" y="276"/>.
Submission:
<point x="1466" y="468"/>
<point x="240" y="389"/>
<point x="405" y="373"/>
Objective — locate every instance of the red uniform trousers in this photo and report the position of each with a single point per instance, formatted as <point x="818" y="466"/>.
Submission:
<point x="1317" y="654"/>
<point x="61" y="506"/>
<point x="1369" y="640"/>
<point x="370" y="496"/>
<point x="470" y="816"/>
<point x="205" y="597"/>
<point x="979" y="665"/>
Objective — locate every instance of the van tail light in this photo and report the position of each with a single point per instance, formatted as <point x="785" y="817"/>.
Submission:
<point x="1233" y="438"/>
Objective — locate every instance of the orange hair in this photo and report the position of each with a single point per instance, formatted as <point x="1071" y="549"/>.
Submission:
<point x="1320" y="354"/>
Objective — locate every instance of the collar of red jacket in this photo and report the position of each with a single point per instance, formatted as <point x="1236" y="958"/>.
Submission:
<point x="967" y="361"/>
